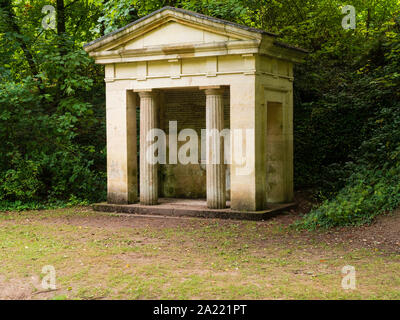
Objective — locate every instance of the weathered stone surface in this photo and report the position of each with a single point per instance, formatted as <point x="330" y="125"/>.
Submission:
<point x="216" y="183"/>
<point x="188" y="109"/>
<point x="121" y="146"/>
<point x="148" y="171"/>
<point x="193" y="208"/>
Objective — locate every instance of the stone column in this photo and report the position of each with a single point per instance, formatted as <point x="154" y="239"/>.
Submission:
<point x="148" y="171"/>
<point x="216" y="194"/>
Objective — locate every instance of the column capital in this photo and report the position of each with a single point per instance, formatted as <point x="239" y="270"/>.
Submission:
<point x="146" y="93"/>
<point x="213" y="90"/>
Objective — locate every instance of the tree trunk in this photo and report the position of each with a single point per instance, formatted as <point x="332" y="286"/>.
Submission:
<point x="6" y="5"/>
<point x="60" y="17"/>
<point x="368" y="21"/>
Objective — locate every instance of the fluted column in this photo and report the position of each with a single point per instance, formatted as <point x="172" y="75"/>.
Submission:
<point x="148" y="171"/>
<point x="216" y="195"/>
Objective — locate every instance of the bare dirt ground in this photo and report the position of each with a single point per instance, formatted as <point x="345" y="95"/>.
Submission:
<point x="122" y="256"/>
<point x="383" y="233"/>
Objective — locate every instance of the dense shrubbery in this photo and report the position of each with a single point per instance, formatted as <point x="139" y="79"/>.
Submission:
<point x="369" y="178"/>
<point x="346" y="117"/>
<point x="51" y="116"/>
<point x="44" y="156"/>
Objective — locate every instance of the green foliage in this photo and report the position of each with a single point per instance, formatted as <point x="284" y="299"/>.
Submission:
<point x="52" y="111"/>
<point x="372" y="179"/>
<point x="367" y="193"/>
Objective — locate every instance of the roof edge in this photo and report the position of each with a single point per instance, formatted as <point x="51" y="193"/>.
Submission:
<point x="184" y="11"/>
<point x="289" y="46"/>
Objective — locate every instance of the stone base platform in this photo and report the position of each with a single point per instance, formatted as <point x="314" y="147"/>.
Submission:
<point x="193" y="208"/>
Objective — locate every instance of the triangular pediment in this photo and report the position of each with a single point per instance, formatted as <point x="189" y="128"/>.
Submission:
<point x="172" y="26"/>
<point x="173" y="33"/>
<point x="170" y="33"/>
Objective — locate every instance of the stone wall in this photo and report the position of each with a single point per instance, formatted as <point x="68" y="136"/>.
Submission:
<point x="188" y="108"/>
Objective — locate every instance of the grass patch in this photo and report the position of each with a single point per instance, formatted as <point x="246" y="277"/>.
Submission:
<point x="138" y="258"/>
